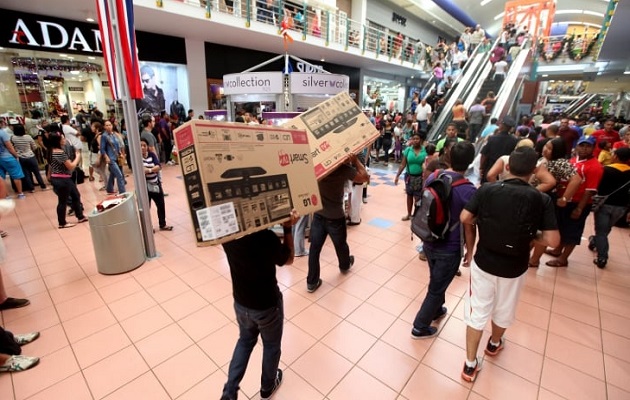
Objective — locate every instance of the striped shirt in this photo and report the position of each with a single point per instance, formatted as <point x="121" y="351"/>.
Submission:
<point x="57" y="166"/>
<point x="24" y="145"/>
<point x="149" y="162"/>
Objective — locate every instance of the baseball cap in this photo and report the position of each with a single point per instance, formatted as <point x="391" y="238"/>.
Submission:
<point x="587" y="139"/>
<point x="508" y="121"/>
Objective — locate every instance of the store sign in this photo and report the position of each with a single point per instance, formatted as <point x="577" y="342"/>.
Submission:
<point x="37" y="32"/>
<point x="105" y="83"/>
<point x="306" y="67"/>
<point x="316" y="83"/>
<point x="253" y="83"/>
<point x="75" y="89"/>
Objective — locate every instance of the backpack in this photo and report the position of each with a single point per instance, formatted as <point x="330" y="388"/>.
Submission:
<point x="431" y="219"/>
<point x="509" y="217"/>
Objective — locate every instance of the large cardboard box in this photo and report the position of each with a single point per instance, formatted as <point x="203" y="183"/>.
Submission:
<point x="244" y="178"/>
<point x="336" y="128"/>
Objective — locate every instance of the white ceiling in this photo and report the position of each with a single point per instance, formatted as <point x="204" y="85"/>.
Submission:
<point x="188" y="20"/>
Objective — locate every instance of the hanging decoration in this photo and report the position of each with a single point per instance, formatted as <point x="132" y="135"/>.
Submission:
<point x="285" y="26"/>
<point x="574" y="49"/>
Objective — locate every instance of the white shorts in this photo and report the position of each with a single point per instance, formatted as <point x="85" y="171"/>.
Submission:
<point x="491" y="296"/>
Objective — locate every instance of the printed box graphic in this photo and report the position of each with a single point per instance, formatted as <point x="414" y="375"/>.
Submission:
<point x="244" y="178"/>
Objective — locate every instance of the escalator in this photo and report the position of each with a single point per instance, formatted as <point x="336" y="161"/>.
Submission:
<point x="584" y="101"/>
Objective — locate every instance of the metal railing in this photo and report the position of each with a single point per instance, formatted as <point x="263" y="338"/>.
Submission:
<point x="331" y="26"/>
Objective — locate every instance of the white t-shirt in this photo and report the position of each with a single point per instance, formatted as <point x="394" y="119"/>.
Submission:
<point x="500" y="67"/>
<point x="71" y="137"/>
<point x="422" y="112"/>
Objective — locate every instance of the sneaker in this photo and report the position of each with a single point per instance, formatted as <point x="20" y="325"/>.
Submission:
<point x="600" y="262"/>
<point x="345" y="270"/>
<point x="313" y="287"/>
<point x="493" y="350"/>
<point x="424" y="333"/>
<point x="422" y="256"/>
<point x="11" y="302"/>
<point x="71" y="212"/>
<point x="305" y="254"/>
<point x="266" y="394"/>
<point x="469" y="374"/>
<point x="441" y="313"/>
<point x="406" y="218"/>
<point x="19" y="363"/>
<point x="21" y="196"/>
<point x="25" y="338"/>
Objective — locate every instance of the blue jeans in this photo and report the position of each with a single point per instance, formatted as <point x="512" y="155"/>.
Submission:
<point x="115" y="173"/>
<point x="299" y="231"/>
<point x="268" y="323"/>
<point x="442" y="268"/>
<point x="320" y="229"/>
<point x="605" y="219"/>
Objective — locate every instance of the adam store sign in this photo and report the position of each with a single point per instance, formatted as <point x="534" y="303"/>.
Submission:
<point x="35" y="32"/>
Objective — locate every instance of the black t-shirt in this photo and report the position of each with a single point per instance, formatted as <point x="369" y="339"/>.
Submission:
<point x="331" y="190"/>
<point x="499" y="264"/>
<point x="253" y="259"/>
<point x="498" y="145"/>
<point x="612" y="180"/>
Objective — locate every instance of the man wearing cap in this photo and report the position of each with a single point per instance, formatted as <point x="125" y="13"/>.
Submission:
<point x="608" y="134"/>
<point x="572" y="217"/>
<point x="498" y="145"/>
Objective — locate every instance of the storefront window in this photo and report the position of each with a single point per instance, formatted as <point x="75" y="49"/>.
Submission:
<point x="165" y="87"/>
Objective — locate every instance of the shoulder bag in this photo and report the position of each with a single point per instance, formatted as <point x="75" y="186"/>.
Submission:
<point x="598" y="200"/>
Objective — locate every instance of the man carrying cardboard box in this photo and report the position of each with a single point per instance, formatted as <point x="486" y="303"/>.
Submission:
<point x="331" y="219"/>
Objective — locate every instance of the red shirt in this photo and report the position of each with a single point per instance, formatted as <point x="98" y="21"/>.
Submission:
<point x="611" y="137"/>
<point x="591" y="171"/>
<point x="620" y="144"/>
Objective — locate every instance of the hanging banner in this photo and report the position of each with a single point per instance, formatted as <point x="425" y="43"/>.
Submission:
<point x="316" y="83"/>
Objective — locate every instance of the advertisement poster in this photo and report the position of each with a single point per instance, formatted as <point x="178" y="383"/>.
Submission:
<point x="165" y="88"/>
<point x="242" y="178"/>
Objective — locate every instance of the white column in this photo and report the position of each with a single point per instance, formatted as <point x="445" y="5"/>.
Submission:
<point x="197" y="81"/>
<point x="359" y="15"/>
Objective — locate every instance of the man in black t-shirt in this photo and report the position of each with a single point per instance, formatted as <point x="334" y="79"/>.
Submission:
<point x="258" y="304"/>
<point x="510" y="215"/>
<point x="615" y="207"/>
<point x="498" y="145"/>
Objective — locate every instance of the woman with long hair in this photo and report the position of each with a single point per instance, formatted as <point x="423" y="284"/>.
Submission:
<point x="61" y="178"/>
<point x="111" y="149"/>
<point x="412" y="162"/>
<point x="24" y="146"/>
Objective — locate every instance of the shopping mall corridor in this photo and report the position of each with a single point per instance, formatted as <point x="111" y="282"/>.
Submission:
<point x="167" y="329"/>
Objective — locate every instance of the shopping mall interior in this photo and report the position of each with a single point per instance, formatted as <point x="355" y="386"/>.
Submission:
<point x="167" y="329"/>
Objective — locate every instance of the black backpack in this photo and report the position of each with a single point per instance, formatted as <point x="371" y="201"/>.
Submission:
<point x="432" y="217"/>
<point x="509" y="217"/>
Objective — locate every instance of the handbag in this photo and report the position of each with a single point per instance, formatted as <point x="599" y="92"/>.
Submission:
<point x="100" y="160"/>
<point x="599" y="200"/>
<point x="78" y="176"/>
<point x="153" y="187"/>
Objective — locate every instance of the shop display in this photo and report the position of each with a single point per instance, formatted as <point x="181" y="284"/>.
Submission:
<point x="242" y="178"/>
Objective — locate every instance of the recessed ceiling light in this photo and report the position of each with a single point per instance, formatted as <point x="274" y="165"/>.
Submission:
<point x="544" y="76"/>
<point x="322" y="60"/>
<point x="63" y="55"/>
<point x="89" y="19"/>
<point x="92" y="58"/>
<point x="75" y="72"/>
<point x="4" y="68"/>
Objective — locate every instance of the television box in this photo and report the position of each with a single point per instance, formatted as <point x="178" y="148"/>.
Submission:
<point x="336" y="128"/>
<point x="244" y="178"/>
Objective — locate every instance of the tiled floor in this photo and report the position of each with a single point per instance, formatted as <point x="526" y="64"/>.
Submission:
<point x="167" y="329"/>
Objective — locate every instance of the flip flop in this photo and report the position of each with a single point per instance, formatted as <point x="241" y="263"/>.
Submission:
<point x="66" y="226"/>
<point x="556" y="263"/>
<point x="551" y="253"/>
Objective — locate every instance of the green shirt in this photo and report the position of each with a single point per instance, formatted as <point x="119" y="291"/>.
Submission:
<point x="414" y="161"/>
<point x="440" y="143"/>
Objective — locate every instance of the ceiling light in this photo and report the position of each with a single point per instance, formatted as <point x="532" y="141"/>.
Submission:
<point x="558" y="12"/>
<point x="595" y="13"/>
<point x="4" y="68"/>
<point x="544" y="76"/>
<point x="499" y="16"/>
<point x="484" y="2"/>
<point x="92" y="58"/>
<point x="75" y="72"/>
<point x="89" y="19"/>
<point x="63" y="55"/>
<point x="626" y="72"/>
<point x="322" y="60"/>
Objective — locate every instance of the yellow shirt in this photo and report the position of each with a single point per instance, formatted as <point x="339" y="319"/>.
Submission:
<point x="605" y="157"/>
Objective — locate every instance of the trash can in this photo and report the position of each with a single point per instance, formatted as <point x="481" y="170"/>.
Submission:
<point x="117" y="237"/>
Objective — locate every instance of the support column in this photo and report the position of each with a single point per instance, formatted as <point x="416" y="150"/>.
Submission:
<point x="359" y="14"/>
<point x="197" y="81"/>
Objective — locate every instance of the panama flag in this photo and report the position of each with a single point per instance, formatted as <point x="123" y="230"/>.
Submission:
<point x="129" y="56"/>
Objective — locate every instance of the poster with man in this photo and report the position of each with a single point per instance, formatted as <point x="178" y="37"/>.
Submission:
<point x="165" y="87"/>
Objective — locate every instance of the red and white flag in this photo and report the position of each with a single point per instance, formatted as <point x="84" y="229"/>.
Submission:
<point x="129" y="56"/>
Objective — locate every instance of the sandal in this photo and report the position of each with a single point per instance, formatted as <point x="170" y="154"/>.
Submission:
<point x="166" y="228"/>
<point x="556" y="263"/>
<point x="91" y="179"/>
<point x="551" y="253"/>
<point x="406" y="218"/>
<point x="66" y="226"/>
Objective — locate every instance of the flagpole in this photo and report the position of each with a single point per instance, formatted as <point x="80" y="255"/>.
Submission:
<point x="133" y="135"/>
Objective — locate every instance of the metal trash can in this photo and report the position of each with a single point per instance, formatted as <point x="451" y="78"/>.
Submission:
<point x="117" y="237"/>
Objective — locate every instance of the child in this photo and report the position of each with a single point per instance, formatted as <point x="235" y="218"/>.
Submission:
<point x="605" y="157"/>
<point x="397" y="149"/>
<point x="431" y="155"/>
